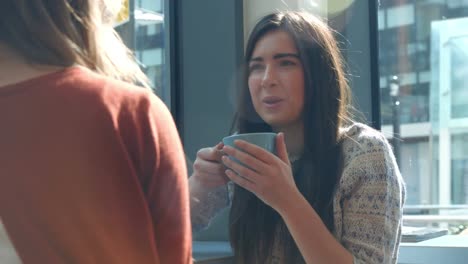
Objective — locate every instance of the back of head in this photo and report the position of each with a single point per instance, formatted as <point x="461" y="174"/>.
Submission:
<point x="66" y="33"/>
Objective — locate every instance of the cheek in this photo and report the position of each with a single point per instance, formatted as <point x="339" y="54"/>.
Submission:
<point x="254" y="82"/>
<point x="254" y="88"/>
<point x="298" y="92"/>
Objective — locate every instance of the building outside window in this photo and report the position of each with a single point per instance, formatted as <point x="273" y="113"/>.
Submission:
<point x="143" y="31"/>
<point x="423" y="45"/>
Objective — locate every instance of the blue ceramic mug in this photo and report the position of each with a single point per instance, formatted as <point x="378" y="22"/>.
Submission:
<point x="265" y="140"/>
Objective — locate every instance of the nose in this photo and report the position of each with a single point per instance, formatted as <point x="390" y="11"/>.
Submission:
<point x="269" y="77"/>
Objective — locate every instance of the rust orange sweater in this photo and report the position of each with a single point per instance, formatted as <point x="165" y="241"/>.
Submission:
<point x="91" y="171"/>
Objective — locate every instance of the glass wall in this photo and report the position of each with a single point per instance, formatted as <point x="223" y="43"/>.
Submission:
<point x="424" y="52"/>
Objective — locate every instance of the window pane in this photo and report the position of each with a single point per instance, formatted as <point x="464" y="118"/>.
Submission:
<point x="400" y="16"/>
<point x="459" y="64"/>
<point x="255" y="9"/>
<point x="460" y="168"/>
<point x="144" y="34"/>
<point x="424" y="52"/>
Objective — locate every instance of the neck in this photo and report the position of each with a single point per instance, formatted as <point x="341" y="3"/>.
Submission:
<point x="14" y="68"/>
<point x="294" y="138"/>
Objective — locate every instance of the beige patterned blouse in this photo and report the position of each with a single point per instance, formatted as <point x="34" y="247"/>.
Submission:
<point x="368" y="200"/>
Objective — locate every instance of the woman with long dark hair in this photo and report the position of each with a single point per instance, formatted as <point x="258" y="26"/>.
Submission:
<point x="333" y="192"/>
<point x="92" y="169"/>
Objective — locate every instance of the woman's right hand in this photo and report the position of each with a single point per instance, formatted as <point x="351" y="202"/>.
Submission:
<point x="208" y="169"/>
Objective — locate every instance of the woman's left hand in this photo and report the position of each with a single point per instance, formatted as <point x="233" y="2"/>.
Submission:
<point x="268" y="176"/>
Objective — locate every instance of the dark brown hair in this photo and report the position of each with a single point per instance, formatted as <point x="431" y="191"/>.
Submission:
<point x="254" y="225"/>
<point x="66" y="33"/>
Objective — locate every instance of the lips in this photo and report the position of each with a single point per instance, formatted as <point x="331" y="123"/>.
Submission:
<point x="272" y="101"/>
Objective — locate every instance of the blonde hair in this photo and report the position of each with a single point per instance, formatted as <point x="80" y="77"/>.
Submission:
<point x="69" y="32"/>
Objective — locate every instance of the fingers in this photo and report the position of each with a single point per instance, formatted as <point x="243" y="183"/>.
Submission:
<point x="253" y="150"/>
<point x="240" y="169"/>
<point x="209" y="174"/>
<point x="243" y="157"/>
<point x="281" y="149"/>
<point x="219" y="146"/>
<point x="241" y="181"/>
<point x="208" y="167"/>
<point x="212" y="154"/>
<point x="210" y="181"/>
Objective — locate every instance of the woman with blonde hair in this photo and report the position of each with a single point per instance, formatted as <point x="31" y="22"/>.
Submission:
<point x="91" y="167"/>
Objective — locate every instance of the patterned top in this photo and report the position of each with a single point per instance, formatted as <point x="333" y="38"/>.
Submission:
<point x="367" y="204"/>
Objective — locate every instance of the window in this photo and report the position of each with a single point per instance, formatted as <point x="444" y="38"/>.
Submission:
<point x="210" y="53"/>
<point x="197" y="132"/>
<point x="400" y="15"/>
<point x="425" y="47"/>
<point x="142" y="29"/>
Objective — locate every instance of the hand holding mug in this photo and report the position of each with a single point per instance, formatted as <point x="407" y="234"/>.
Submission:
<point x="208" y="169"/>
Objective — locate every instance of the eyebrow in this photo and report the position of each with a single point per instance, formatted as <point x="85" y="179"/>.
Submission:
<point x="278" y="56"/>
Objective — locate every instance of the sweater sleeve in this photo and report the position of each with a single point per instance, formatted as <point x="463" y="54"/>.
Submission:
<point x="166" y="188"/>
<point x="368" y="209"/>
<point x="207" y="204"/>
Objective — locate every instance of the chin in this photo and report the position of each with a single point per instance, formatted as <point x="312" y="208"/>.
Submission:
<point x="274" y="122"/>
<point x="280" y="122"/>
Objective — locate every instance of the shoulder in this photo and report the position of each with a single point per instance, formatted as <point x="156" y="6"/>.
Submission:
<point x="88" y="80"/>
<point x="133" y="111"/>
<point x="370" y="194"/>
<point x="360" y="133"/>
<point x="359" y="139"/>
<point x="116" y="95"/>
<point x="368" y="158"/>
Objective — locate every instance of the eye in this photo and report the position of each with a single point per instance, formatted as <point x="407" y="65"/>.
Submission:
<point x="287" y="63"/>
<point x="256" y="67"/>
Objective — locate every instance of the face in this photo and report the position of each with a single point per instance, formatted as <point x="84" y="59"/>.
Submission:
<point x="276" y="80"/>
